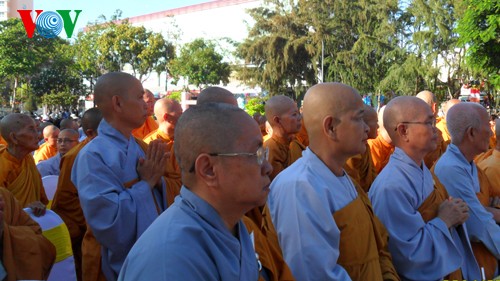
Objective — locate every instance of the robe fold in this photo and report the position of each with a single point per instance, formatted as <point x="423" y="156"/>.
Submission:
<point x="21" y="178"/>
<point x="441" y="126"/>
<point x="27" y="254"/>
<point x="44" y="152"/>
<point x="296" y="148"/>
<point x="172" y="170"/>
<point x="491" y="168"/>
<point x="361" y="169"/>
<point x="67" y="204"/>
<point x="381" y="151"/>
<point x="149" y="126"/>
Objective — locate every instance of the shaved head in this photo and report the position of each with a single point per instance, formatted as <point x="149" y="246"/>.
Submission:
<point x="49" y="131"/>
<point x="448" y="105"/>
<point x="109" y="85"/>
<point x="209" y="128"/>
<point x="68" y="124"/>
<point x="276" y="106"/>
<point x="462" y="116"/>
<point x="91" y="119"/>
<point x="167" y="112"/>
<point x="404" y="109"/>
<point x="428" y="97"/>
<point x="325" y="106"/>
<point x="371" y="119"/>
<point x="216" y="94"/>
<point x="149" y="98"/>
<point x="13" y="122"/>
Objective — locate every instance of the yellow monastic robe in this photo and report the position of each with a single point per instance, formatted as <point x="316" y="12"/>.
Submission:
<point x="363" y="242"/>
<point x="172" y="170"/>
<point x="67" y="205"/>
<point x="21" y="178"/>
<point x="361" y="169"/>
<point x="270" y="257"/>
<point x="434" y="155"/>
<point x="149" y="126"/>
<point x="444" y="131"/>
<point x="279" y="155"/>
<point x="381" y="151"/>
<point x="491" y="168"/>
<point x="2" y="141"/>
<point x="44" y="152"/>
<point x="27" y="254"/>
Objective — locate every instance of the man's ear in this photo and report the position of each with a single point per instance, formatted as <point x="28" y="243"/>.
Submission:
<point x="205" y="169"/>
<point x="116" y="103"/>
<point x="330" y="127"/>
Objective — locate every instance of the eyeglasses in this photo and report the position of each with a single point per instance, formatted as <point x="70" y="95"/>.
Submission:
<point x="428" y="123"/>
<point x="262" y="154"/>
<point x="65" y="140"/>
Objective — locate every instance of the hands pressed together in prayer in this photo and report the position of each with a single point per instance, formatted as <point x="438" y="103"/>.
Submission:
<point x="152" y="167"/>
<point x="38" y="208"/>
<point x="453" y="211"/>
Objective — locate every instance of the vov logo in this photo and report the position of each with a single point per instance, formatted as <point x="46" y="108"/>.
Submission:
<point x="49" y="24"/>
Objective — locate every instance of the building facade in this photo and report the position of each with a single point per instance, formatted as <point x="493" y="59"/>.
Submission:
<point x="8" y="8"/>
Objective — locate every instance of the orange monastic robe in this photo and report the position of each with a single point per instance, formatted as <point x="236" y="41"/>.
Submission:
<point x="381" y="151"/>
<point x="270" y="257"/>
<point x="2" y="141"/>
<point x="21" y="178"/>
<point x="491" y="169"/>
<point x="441" y="125"/>
<point x="27" y="254"/>
<point x="361" y="169"/>
<point x="363" y="245"/>
<point x="172" y="170"/>
<point x="67" y="205"/>
<point x="149" y="126"/>
<point x="44" y="152"/>
<point x="299" y="144"/>
<point x="279" y="155"/>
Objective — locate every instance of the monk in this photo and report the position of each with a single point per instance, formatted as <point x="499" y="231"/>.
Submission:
<point x="67" y="205"/>
<point x="470" y="133"/>
<point x="257" y="220"/>
<point x="150" y="124"/>
<point x="49" y="148"/>
<point x="431" y="157"/>
<point x="493" y="139"/>
<point x="67" y="139"/>
<point x="18" y="171"/>
<point x="426" y="237"/>
<point x="299" y="143"/>
<point x="442" y="124"/>
<point x="26" y="253"/>
<point x="325" y="223"/>
<point x="283" y="115"/>
<point x="381" y="147"/>
<point x="119" y="178"/>
<point x="225" y="174"/>
<point x="491" y="164"/>
<point x="68" y="123"/>
<point x="167" y="113"/>
<point x="360" y="167"/>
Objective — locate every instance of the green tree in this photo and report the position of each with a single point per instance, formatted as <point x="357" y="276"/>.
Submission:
<point x="59" y="99"/>
<point x="201" y="64"/>
<point x="21" y="56"/>
<point x="479" y="30"/>
<point x="256" y="105"/>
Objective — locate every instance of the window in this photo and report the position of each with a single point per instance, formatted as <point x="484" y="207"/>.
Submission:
<point x="2" y="3"/>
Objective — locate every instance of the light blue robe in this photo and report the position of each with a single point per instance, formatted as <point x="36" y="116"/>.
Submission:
<point x="461" y="180"/>
<point x="116" y="215"/>
<point x="190" y="241"/>
<point x="420" y="251"/>
<point x="302" y="200"/>
<point x="50" y="166"/>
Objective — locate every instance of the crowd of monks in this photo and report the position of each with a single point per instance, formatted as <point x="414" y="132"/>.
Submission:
<point x="334" y="191"/>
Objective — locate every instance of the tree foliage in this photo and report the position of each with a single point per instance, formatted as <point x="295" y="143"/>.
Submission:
<point x="201" y="64"/>
<point x="479" y="29"/>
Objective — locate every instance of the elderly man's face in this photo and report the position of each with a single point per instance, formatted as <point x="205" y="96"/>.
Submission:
<point x="483" y="133"/>
<point x="290" y="120"/>
<point x="244" y="182"/>
<point x="27" y="135"/>
<point x="352" y="130"/>
<point x="134" y="108"/>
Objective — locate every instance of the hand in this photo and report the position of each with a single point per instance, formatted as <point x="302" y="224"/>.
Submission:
<point x="453" y="211"/>
<point x="495" y="202"/>
<point x="151" y="168"/>
<point x="38" y="208"/>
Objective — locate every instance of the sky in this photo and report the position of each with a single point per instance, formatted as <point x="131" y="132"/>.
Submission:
<point x="92" y="9"/>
